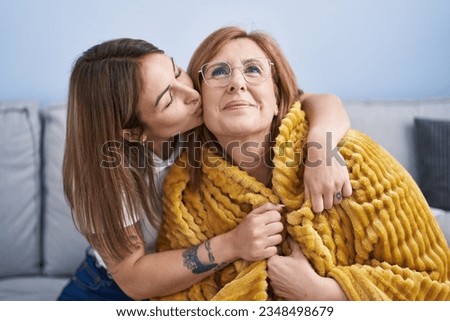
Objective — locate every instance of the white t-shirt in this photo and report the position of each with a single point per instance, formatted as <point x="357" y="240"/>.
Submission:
<point x="150" y="234"/>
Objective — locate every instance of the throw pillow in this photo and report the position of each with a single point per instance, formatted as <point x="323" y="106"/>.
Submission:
<point x="433" y="152"/>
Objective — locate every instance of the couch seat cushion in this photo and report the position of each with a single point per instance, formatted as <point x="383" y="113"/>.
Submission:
<point x="31" y="288"/>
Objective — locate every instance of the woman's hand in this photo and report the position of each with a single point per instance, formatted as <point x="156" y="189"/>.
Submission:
<point x="257" y="236"/>
<point x="326" y="178"/>
<point x="293" y="278"/>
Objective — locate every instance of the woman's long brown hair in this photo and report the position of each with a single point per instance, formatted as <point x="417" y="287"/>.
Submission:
<point x="285" y="86"/>
<point x="104" y="179"/>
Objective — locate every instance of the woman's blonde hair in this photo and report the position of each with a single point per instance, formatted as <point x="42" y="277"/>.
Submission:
<point x="285" y="84"/>
<point x="103" y="177"/>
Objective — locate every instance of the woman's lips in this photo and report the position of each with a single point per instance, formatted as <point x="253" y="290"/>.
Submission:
<point x="237" y="104"/>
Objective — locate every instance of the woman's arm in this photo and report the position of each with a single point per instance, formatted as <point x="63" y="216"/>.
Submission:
<point x="325" y="171"/>
<point x="143" y="276"/>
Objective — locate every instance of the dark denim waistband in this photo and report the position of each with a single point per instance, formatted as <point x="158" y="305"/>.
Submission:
<point x="92" y="261"/>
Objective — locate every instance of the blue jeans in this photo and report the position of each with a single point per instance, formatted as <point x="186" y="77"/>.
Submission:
<point x="91" y="282"/>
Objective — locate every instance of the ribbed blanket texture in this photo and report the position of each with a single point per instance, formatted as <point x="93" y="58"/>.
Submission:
<point x="382" y="243"/>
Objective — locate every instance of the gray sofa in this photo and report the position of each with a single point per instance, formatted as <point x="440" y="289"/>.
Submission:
<point x="39" y="246"/>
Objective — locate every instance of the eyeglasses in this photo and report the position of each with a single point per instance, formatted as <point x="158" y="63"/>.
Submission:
<point x="218" y="74"/>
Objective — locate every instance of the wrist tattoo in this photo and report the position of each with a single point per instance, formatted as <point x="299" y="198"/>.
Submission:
<point x="212" y="258"/>
<point x="220" y="266"/>
<point x="192" y="262"/>
<point x="208" y="249"/>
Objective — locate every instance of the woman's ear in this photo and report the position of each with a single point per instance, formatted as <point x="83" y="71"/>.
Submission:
<point x="132" y="135"/>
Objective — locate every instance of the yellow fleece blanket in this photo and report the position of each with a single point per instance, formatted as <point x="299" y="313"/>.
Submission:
<point x="382" y="243"/>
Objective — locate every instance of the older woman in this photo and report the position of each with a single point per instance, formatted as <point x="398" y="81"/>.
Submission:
<point x="381" y="243"/>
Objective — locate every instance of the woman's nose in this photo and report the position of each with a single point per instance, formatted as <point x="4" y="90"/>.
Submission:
<point x="237" y="80"/>
<point x="187" y="92"/>
<point x="192" y="99"/>
<point x="191" y="96"/>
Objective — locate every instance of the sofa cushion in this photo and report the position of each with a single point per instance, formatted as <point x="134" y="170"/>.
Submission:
<point x="20" y="188"/>
<point x="63" y="245"/>
<point x="433" y="153"/>
<point x="32" y="288"/>
<point x="391" y="123"/>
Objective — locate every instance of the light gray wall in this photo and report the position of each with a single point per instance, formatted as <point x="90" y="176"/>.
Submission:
<point x="357" y="49"/>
